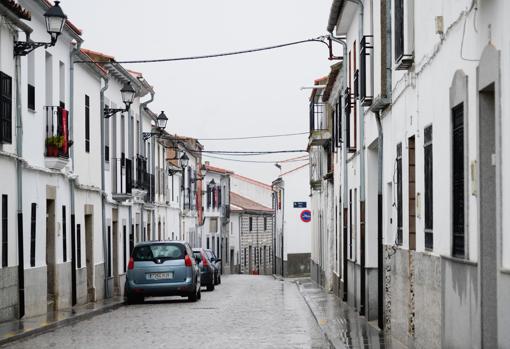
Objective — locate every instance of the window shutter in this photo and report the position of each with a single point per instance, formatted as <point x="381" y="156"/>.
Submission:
<point x="5" y="108"/>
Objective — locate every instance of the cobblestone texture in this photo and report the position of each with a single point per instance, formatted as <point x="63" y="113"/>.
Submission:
<point x="243" y="312"/>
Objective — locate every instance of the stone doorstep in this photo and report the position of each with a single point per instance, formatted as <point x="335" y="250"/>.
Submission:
<point x="19" y="329"/>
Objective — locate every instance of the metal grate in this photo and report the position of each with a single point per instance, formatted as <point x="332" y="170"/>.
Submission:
<point x="458" y="249"/>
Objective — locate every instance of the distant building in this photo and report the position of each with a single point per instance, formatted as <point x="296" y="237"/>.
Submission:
<point x="293" y="221"/>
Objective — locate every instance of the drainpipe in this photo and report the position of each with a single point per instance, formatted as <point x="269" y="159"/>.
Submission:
<point x="19" y="162"/>
<point x="139" y="137"/>
<point x="380" y="144"/>
<point x="103" y="193"/>
<point x="72" y="180"/>
<point x="342" y="42"/>
<point x="362" y="172"/>
<point x="283" y="231"/>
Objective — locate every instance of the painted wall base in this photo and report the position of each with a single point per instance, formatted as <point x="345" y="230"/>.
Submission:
<point x="298" y="264"/>
<point x="8" y="293"/>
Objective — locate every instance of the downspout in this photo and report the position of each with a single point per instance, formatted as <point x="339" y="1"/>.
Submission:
<point x="103" y="192"/>
<point x="72" y="180"/>
<point x="153" y="184"/>
<point x="345" y="172"/>
<point x="380" y="300"/>
<point x="19" y="163"/>
<point x="283" y="231"/>
<point x="362" y="195"/>
<point x="139" y="137"/>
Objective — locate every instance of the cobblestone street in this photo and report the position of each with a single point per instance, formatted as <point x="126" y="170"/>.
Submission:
<point x="243" y="312"/>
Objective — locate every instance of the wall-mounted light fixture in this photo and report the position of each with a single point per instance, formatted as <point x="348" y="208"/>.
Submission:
<point x="55" y="19"/>
<point x="128" y="95"/>
<point x="161" y="122"/>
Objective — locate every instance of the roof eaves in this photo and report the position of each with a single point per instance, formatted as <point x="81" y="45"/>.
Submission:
<point x="335" y="70"/>
<point x="16" y="9"/>
<point x="334" y="14"/>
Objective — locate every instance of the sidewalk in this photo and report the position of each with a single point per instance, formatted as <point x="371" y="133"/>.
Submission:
<point x="19" y="329"/>
<point x="341" y="325"/>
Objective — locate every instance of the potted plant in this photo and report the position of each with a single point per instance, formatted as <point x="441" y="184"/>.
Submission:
<point x="53" y="145"/>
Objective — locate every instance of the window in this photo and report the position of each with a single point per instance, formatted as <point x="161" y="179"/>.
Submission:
<point x="31" y="81"/>
<point x="87" y="124"/>
<point x="31" y="97"/>
<point x="365" y="69"/>
<point x="350" y="224"/>
<point x="428" y="175"/>
<point x="32" y="234"/>
<point x="245" y="258"/>
<point x="399" y="29"/>
<point x="78" y="245"/>
<point x="251" y="223"/>
<point x="458" y="181"/>
<point x="64" y="234"/>
<point x="338" y="122"/>
<point x="107" y="139"/>
<point x="208" y="243"/>
<point x="265" y="223"/>
<point x="5" y="108"/>
<point x="399" y="194"/>
<point x="5" y="226"/>
<point x="109" y="261"/>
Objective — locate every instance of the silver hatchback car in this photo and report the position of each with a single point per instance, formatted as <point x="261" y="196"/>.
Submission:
<point x="162" y="268"/>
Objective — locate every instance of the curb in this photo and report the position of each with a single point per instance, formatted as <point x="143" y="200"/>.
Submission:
<point x="61" y="323"/>
<point x="323" y="331"/>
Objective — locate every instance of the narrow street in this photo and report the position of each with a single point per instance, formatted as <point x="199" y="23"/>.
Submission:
<point x="243" y="312"/>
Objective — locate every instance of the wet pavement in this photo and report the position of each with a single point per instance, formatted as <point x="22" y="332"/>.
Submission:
<point x="341" y="325"/>
<point x="243" y="312"/>
<point x="16" y="330"/>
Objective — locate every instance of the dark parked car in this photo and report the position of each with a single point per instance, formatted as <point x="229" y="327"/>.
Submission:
<point x="162" y="268"/>
<point x="207" y="269"/>
<point x="216" y="262"/>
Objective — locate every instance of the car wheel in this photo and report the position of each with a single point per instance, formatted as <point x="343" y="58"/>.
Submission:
<point x="199" y="294"/>
<point x="193" y="297"/>
<point x="210" y="287"/>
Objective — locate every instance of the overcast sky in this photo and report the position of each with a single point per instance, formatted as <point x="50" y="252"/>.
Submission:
<point x="248" y="95"/>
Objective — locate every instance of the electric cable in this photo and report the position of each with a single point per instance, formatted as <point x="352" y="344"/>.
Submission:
<point x="216" y="55"/>
<point x="254" y="161"/>
<point x="253" y="137"/>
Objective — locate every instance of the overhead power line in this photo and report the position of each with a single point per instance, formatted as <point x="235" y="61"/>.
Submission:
<point x="253" y="137"/>
<point x="320" y="39"/>
<point x="248" y="153"/>
<point x="254" y="161"/>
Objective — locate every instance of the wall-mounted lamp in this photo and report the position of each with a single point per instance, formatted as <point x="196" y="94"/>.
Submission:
<point x="55" y="19"/>
<point x="161" y="121"/>
<point x="128" y="95"/>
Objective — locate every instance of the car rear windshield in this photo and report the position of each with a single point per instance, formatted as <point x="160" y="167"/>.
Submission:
<point x="161" y="251"/>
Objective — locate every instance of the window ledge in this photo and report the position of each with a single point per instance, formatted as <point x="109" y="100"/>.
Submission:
<point x="459" y="260"/>
<point x="33" y="111"/>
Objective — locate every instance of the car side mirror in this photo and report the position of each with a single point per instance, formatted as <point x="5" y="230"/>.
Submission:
<point x="218" y="260"/>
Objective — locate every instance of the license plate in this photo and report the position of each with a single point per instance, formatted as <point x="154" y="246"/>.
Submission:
<point x="159" y="276"/>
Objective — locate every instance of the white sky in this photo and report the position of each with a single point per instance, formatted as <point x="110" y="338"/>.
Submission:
<point x="254" y="94"/>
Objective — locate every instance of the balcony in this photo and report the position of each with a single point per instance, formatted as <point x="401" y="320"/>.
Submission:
<point x="122" y="180"/>
<point x="319" y="131"/>
<point x="366" y="71"/>
<point x="140" y="186"/>
<point x="57" y="143"/>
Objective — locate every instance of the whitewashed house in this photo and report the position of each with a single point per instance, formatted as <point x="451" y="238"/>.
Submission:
<point x="293" y="220"/>
<point x="421" y="168"/>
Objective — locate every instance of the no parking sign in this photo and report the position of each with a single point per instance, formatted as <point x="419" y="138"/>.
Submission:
<point x="306" y="216"/>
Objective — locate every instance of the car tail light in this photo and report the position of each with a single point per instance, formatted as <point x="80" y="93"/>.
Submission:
<point x="187" y="261"/>
<point x="131" y="263"/>
<point x="204" y="261"/>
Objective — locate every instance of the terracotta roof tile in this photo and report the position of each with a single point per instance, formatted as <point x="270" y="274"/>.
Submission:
<point x="246" y="204"/>
<point x="17" y="9"/>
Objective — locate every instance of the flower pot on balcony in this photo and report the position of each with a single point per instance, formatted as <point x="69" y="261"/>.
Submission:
<point x="53" y="145"/>
<point x="52" y="151"/>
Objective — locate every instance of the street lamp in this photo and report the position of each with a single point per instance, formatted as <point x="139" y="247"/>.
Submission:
<point x="127" y="93"/>
<point x="184" y="161"/>
<point x="203" y="171"/>
<point x="161" y="121"/>
<point x="55" y="19"/>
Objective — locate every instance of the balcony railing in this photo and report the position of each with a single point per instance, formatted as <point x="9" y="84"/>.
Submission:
<point x="318" y="120"/>
<point x="57" y="132"/>
<point x="366" y="70"/>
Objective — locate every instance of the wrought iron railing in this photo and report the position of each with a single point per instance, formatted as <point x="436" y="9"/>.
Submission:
<point x="57" y="132"/>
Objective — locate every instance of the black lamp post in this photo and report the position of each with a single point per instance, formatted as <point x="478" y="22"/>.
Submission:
<point x="55" y="20"/>
<point x="128" y="95"/>
<point x="161" y="122"/>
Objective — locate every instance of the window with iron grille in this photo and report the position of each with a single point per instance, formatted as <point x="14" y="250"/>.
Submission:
<point x="365" y="70"/>
<point x="33" y="227"/>
<point x="251" y="223"/>
<point x="399" y="195"/>
<point x="107" y="139"/>
<point x="399" y="29"/>
<point x="338" y="124"/>
<point x="5" y="232"/>
<point x="317" y="115"/>
<point x="5" y="108"/>
<point x="458" y="249"/>
<point x="428" y="181"/>
<point x="87" y="124"/>
<point x="347" y="111"/>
